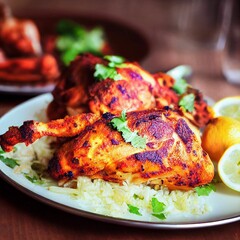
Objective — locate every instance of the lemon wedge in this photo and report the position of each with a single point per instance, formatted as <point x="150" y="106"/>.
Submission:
<point x="229" y="167"/>
<point x="229" y="107"/>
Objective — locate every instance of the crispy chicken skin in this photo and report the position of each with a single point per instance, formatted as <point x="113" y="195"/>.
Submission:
<point x="78" y="91"/>
<point x="173" y="156"/>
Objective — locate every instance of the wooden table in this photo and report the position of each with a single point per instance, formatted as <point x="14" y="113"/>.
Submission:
<point x="23" y="218"/>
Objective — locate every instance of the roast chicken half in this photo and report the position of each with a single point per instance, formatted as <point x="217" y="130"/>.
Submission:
<point x="172" y="156"/>
<point x="79" y="90"/>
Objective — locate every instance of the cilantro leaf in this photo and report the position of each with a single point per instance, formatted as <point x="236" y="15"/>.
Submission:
<point x="160" y="216"/>
<point x="74" y="39"/>
<point x="103" y="72"/>
<point x="10" y="162"/>
<point x="187" y="102"/>
<point x="180" y="86"/>
<point x="205" y="190"/>
<point x="114" y="61"/>
<point x="34" y="179"/>
<point x="134" y="210"/>
<point x="135" y="196"/>
<point x="120" y="123"/>
<point x="158" y="208"/>
<point x="178" y="73"/>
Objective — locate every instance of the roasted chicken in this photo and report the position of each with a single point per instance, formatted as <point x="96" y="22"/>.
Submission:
<point x="173" y="155"/>
<point x="18" y="38"/>
<point x="21" y="57"/>
<point x="79" y="91"/>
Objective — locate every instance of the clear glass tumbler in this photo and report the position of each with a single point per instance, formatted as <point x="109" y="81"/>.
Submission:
<point x="231" y="53"/>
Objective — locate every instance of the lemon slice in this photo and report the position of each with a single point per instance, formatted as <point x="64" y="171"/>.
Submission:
<point x="229" y="167"/>
<point x="229" y="107"/>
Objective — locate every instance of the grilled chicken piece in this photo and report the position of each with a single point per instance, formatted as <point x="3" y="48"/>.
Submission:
<point x="78" y="91"/>
<point x="173" y="156"/>
<point x="32" y="69"/>
<point x="18" y="37"/>
<point x="21" y="57"/>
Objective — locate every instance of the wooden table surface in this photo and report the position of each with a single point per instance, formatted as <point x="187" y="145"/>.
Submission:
<point x="22" y="217"/>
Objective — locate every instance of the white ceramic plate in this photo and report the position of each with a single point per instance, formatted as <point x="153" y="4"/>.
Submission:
<point x="225" y="203"/>
<point x="26" y="89"/>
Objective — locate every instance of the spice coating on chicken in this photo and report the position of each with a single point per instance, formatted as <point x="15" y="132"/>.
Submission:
<point x="173" y="155"/>
<point x="79" y="91"/>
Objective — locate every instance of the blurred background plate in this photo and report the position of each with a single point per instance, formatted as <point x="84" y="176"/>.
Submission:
<point x="125" y="40"/>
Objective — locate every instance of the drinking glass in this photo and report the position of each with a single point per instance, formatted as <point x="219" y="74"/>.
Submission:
<point x="231" y="53"/>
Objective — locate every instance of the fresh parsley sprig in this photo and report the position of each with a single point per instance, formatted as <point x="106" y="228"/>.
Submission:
<point x="133" y="209"/>
<point x="34" y="179"/>
<point x="120" y="123"/>
<point x="158" y="209"/>
<point x="10" y="162"/>
<point x="178" y="73"/>
<point x="74" y="39"/>
<point x="187" y="102"/>
<point x="205" y="190"/>
<point x="180" y="86"/>
<point x="103" y="72"/>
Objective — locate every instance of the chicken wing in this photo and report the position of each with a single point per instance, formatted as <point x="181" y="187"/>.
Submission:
<point x="173" y="155"/>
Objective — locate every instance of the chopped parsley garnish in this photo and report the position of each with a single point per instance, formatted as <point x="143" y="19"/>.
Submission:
<point x="205" y="190"/>
<point x="158" y="208"/>
<point x="103" y="72"/>
<point x="120" y="123"/>
<point x="134" y="210"/>
<point x="187" y="102"/>
<point x="74" y="39"/>
<point x="34" y="179"/>
<point x="178" y="73"/>
<point x="10" y="162"/>
<point x="135" y="196"/>
<point x="180" y="86"/>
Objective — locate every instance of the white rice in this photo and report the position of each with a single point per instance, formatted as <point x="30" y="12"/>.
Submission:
<point x="111" y="199"/>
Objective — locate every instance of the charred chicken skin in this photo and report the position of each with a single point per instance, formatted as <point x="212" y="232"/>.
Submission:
<point x="79" y="91"/>
<point x="173" y="155"/>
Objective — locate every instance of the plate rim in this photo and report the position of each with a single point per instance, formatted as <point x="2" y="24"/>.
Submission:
<point x="101" y="217"/>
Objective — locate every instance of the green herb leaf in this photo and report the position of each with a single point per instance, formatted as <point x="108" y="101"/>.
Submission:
<point x="74" y="39"/>
<point x="180" y="86"/>
<point x="103" y="72"/>
<point x="135" y="196"/>
<point x="120" y="123"/>
<point x="160" y="216"/>
<point x="205" y="190"/>
<point x="178" y="73"/>
<point x="134" y="210"/>
<point x="187" y="102"/>
<point x="158" y="208"/>
<point x="34" y="179"/>
<point x="10" y="162"/>
<point x="114" y="61"/>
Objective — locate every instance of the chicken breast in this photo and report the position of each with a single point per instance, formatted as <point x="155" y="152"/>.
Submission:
<point x="173" y="155"/>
